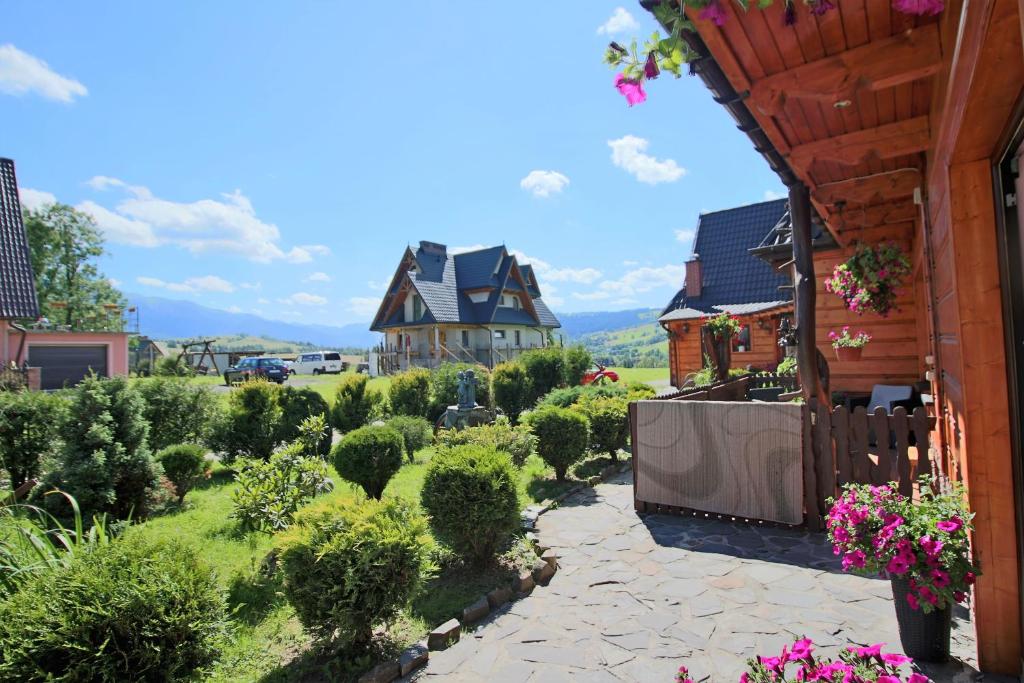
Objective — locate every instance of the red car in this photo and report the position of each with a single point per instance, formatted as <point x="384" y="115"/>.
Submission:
<point x="599" y="374"/>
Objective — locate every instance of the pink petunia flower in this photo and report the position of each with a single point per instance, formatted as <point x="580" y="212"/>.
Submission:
<point x="918" y="7"/>
<point x="632" y="90"/>
<point x="714" y="12"/>
<point x="950" y="526"/>
<point x="912" y="601"/>
<point x="870" y="651"/>
<point x="895" y="659"/>
<point x="802" y="649"/>
<point x="886" y="678"/>
<point x="917" y="678"/>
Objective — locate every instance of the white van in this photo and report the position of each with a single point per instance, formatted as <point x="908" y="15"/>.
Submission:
<point x="317" y="363"/>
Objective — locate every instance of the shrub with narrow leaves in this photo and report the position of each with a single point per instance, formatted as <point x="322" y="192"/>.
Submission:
<point x="369" y="457"/>
<point x="353" y="403"/>
<point x="577" y="361"/>
<point x="546" y="370"/>
<point x="409" y="393"/>
<point x="178" y="411"/>
<point x="314" y="437"/>
<point x="130" y="610"/>
<point x="512" y="389"/>
<point x="349" y="567"/>
<point x="518" y="442"/>
<point x="30" y="424"/>
<point x="609" y="424"/>
<point x="470" y="494"/>
<point x="251" y="425"/>
<point x="269" y="493"/>
<point x="562" y="437"/>
<point x="185" y="465"/>
<point x="416" y="433"/>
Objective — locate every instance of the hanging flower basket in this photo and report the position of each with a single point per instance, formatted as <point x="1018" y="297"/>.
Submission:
<point x="848" y="346"/>
<point x="870" y="280"/>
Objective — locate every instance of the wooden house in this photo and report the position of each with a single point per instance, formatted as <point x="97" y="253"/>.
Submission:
<point x="723" y="276"/>
<point x="890" y="126"/>
<point x="480" y="306"/>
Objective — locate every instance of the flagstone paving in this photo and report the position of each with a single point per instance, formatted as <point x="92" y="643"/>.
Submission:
<point x="638" y="595"/>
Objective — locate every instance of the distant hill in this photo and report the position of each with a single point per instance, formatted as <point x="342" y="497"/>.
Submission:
<point x="640" y="343"/>
<point x="576" y="325"/>
<point x="162" y="318"/>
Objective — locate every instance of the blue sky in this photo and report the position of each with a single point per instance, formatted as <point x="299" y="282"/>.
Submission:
<point x="276" y="158"/>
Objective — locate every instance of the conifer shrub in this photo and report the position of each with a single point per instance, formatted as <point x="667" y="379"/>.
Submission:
<point x="251" y="425"/>
<point x="353" y="403"/>
<point x="129" y="610"/>
<point x="546" y="369"/>
<point x="470" y="494"/>
<point x="518" y="442"/>
<point x="577" y="360"/>
<point x="416" y="433"/>
<point x="351" y="566"/>
<point x="177" y="410"/>
<point x="512" y="389"/>
<point x="185" y="465"/>
<point x="30" y="423"/>
<point x="609" y="424"/>
<point x="298" y="404"/>
<point x="409" y="393"/>
<point x="562" y="437"/>
<point x="369" y="457"/>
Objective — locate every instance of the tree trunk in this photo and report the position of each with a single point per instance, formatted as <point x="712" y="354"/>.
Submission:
<point x="804" y="292"/>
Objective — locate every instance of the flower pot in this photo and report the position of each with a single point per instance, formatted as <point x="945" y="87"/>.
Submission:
<point x="849" y="352"/>
<point x="925" y="637"/>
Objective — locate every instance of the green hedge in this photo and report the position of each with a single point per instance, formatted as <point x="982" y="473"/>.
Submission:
<point x="609" y="424"/>
<point x="518" y="442"/>
<point x="546" y="369"/>
<point x="30" y="424"/>
<point x="178" y="411"/>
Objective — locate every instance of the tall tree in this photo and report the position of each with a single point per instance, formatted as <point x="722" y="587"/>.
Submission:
<point x="64" y="246"/>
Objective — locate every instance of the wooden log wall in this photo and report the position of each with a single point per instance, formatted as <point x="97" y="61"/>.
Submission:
<point x="685" y="351"/>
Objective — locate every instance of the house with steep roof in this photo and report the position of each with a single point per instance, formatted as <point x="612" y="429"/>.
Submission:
<point x="480" y="306"/>
<point x="724" y="275"/>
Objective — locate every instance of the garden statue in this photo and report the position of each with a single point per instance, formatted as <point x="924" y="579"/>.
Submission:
<point x="467" y="390"/>
<point x="466" y="412"/>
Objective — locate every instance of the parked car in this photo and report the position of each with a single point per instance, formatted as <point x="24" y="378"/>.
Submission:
<point x="272" y="369"/>
<point x="318" y="363"/>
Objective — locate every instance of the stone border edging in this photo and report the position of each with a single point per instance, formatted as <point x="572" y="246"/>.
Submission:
<point x="544" y="568"/>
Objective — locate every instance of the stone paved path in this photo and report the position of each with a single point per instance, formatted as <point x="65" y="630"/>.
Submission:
<point x="637" y="596"/>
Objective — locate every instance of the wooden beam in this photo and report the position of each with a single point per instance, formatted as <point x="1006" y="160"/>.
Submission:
<point x="885" y="142"/>
<point x="804" y="285"/>
<point x="902" y="58"/>
<point x="872" y="189"/>
<point x="870" y="216"/>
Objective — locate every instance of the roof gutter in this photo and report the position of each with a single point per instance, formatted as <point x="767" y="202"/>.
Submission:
<point x="724" y="94"/>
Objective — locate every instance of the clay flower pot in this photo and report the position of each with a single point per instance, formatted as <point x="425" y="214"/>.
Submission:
<point x="849" y="353"/>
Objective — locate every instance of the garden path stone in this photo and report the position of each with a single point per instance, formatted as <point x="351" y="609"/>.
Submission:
<point x="635" y="596"/>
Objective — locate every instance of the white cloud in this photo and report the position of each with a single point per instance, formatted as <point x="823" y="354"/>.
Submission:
<point x="114" y="282"/>
<point x="304" y="299"/>
<point x="364" y="305"/>
<point x="35" y="199"/>
<point x="772" y="194"/>
<point x="21" y="73"/>
<point x="591" y="296"/>
<point x="636" y="281"/>
<point x="233" y="309"/>
<point x="204" y="283"/>
<point x="547" y="272"/>
<point x="263" y="301"/>
<point x="685" y="236"/>
<point x="628" y="154"/>
<point x="630" y="263"/>
<point x="255" y="286"/>
<point x="544" y="183"/>
<point x="377" y="286"/>
<point x="620" y="21"/>
<point x="318" y="277"/>
<point x="229" y="224"/>
<point x="464" y="250"/>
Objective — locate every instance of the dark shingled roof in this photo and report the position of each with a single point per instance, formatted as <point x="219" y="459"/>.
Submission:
<point x="733" y="278"/>
<point x="442" y="281"/>
<point x="17" y="286"/>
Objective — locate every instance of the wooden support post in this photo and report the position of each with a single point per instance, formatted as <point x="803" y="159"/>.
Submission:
<point x="804" y="292"/>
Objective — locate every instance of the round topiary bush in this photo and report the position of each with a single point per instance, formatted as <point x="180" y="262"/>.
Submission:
<point x="409" y="393"/>
<point x="128" y="611"/>
<point x="609" y="424"/>
<point x="416" y="433"/>
<point x="512" y="389"/>
<point x="562" y="437"/>
<point x="369" y="457"/>
<point x="185" y="465"/>
<point x="470" y="494"/>
<point x="349" y="567"/>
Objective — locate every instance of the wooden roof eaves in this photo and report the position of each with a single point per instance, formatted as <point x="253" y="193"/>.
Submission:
<point x="399" y="273"/>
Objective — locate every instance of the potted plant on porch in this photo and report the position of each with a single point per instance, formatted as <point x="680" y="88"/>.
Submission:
<point x="847" y="346"/>
<point x="920" y="546"/>
<point x="718" y="335"/>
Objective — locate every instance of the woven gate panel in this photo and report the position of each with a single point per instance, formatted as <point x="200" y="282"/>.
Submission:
<point x="732" y="458"/>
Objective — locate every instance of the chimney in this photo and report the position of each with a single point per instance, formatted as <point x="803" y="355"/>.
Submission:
<point x="694" y="277"/>
<point x="433" y="248"/>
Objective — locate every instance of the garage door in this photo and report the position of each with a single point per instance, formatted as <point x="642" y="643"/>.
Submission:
<point x="67" y="365"/>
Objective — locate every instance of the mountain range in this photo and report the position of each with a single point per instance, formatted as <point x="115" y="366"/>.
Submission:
<point x="162" y="318"/>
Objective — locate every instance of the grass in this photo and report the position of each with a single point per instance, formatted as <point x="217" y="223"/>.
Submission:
<point x="325" y="385"/>
<point x="269" y="644"/>
<point x="642" y="374"/>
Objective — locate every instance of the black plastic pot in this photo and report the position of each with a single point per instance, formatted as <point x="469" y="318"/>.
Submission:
<point x="925" y="637"/>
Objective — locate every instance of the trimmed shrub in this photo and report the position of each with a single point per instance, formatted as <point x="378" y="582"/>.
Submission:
<point x="562" y="437"/>
<point x="512" y="389"/>
<point x="369" y="457"/>
<point x="444" y="387"/>
<point x="185" y="465"/>
<point x="349" y="567"/>
<point x="251" y="425"/>
<point x="567" y="397"/>
<point x="297" y="404"/>
<point x="416" y="433"/>
<point x="639" y="392"/>
<point x="353" y="403"/>
<point x="409" y="393"/>
<point x="128" y="611"/>
<point x="470" y="494"/>
<point x="517" y="442"/>
<point x="546" y="369"/>
<point x="269" y="493"/>
<point x="577" y="361"/>
<point x="171" y="366"/>
<point x="177" y="410"/>
<point x="105" y="463"/>
<point x="609" y="424"/>
<point x="29" y="432"/>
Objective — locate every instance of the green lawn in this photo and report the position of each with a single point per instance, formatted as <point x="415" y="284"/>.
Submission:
<point x="642" y="374"/>
<point x="269" y="644"/>
<point x="325" y="385"/>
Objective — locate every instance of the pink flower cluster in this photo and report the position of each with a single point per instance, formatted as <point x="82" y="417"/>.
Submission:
<point x="854" y="665"/>
<point x="870" y="279"/>
<point x="844" y="338"/>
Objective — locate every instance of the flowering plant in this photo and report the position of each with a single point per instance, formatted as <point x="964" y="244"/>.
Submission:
<point x="870" y="279"/>
<point x="722" y="326"/>
<point x="854" y="665"/>
<point x="843" y="339"/>
<point x="878" y="531"/>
